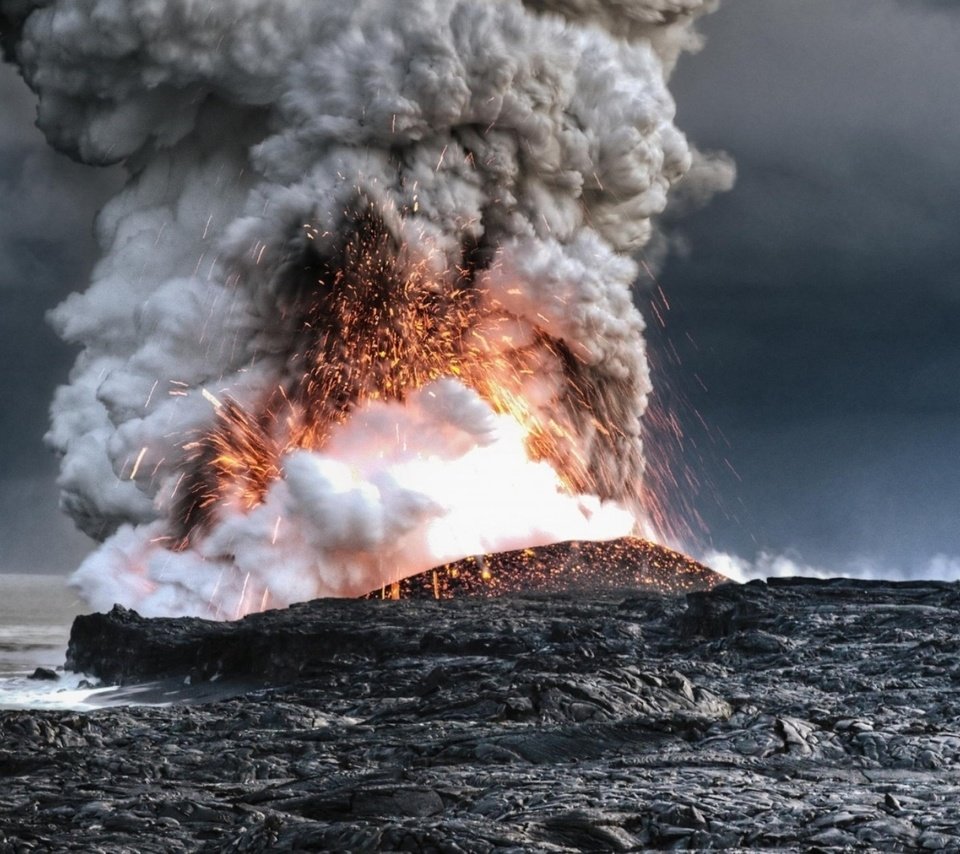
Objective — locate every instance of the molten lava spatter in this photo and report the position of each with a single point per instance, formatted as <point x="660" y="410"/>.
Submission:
<point x="367" y="322"/>
<point x="373" y="321"/>
<point x="628" y="563"/>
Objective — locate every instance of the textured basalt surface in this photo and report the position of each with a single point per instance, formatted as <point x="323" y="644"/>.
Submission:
<point x="798" y="715"/>
<point x="285" y="645"/>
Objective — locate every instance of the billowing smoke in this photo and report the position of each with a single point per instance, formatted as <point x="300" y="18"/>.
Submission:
<point x="364" y="305"/>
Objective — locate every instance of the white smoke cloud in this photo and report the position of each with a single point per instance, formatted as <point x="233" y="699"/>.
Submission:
<point x="769" y="565"/>
<point x="541" y="133"/>
<point x="398" y="489"/>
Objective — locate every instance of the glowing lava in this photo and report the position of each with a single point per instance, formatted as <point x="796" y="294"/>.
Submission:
<point x="418" y="424"/>
<point x="628" y="563"/>
<point x="375" y="323"/>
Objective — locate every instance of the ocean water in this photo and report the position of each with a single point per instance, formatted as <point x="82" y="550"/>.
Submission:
<point x="36" y="612"/>
<point x="35" y="616"/>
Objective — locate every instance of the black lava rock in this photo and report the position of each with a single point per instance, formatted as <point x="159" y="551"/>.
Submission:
<point x="792" y="715"/>
<point x="44" y="674"/>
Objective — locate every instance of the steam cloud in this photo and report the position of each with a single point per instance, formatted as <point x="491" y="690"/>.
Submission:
<point x="509" y="157"/>
<point x="766" y="565"/>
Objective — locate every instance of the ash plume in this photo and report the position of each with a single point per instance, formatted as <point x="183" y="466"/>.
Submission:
<point x="364" y="304"/>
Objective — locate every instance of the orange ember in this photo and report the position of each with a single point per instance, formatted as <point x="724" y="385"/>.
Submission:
<point x="371" y="321"/>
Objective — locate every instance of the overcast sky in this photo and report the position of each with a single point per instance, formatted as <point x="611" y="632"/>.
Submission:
<point x="824" y="291"/>
<point x="47" y="205"/>
<point x="818" y="303"/>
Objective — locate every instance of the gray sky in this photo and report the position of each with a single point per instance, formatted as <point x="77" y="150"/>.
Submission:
<point x="821" y="295"/>
<point x="47" y="206"/>
<point x="824" y="291"/>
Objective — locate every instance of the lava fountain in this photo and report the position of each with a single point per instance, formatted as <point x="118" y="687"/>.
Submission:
<point x="364" y="305"/>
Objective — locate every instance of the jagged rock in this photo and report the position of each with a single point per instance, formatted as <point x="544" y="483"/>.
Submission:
<point x="791" y="715"/>
<point x="44" y="674"/>
<point x="124" y="647"/>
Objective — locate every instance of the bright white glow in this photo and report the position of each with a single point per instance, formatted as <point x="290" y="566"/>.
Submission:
<point x="399" y="488"/>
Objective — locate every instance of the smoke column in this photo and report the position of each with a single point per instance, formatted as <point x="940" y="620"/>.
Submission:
<point x="364" y="305"/>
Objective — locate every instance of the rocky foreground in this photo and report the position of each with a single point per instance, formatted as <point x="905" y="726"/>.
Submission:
<point x="798" y="714"/>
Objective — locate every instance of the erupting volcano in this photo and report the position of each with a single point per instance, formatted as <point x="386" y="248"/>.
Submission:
<point x="364" y="306"/>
